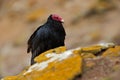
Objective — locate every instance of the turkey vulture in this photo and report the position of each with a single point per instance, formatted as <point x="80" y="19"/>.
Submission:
<point x="47" y="36"/>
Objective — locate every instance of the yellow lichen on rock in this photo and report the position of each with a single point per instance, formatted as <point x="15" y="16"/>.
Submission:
<point x="42" y="57"/>
<point x="58" y="65"/>
<point x="97" y="48"/>
<point x="10" y="78"/>
<point x="111" y="52"/>
<point x="64" y="70"/>
<point x="60" y="70"/>
<point x="87" y="55"/>
<point x="94" y="49"/>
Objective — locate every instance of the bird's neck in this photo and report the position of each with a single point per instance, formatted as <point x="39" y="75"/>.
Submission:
<point x="55" y="24"/>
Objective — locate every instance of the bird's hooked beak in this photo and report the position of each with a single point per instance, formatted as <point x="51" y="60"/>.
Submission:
<point x="62" y="20"/>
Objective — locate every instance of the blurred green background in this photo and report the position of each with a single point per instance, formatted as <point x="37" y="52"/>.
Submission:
<point x="87" y="22"/>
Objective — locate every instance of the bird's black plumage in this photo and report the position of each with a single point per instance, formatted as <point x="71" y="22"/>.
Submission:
<point x="48" y="36"/>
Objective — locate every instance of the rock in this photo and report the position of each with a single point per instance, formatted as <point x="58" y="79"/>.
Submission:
<point x="53" y="66"/>
<point x="75" y="64"/>
<point x="110" y="52"/>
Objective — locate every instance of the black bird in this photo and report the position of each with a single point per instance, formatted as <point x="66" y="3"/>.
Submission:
<point x="48" y="36"/>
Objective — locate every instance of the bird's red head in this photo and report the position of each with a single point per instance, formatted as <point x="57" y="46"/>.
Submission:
<point x="57" y="18"/>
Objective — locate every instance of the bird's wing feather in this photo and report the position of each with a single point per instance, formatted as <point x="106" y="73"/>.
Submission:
<point x="30" y="41"/>
<point x="39" y="40"/>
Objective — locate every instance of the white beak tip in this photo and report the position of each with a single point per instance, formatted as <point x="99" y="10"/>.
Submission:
<point x="62" y="20"/>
